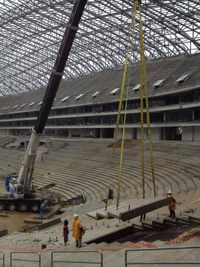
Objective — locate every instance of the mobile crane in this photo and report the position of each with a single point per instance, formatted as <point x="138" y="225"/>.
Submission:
<point x="23" y="195"/>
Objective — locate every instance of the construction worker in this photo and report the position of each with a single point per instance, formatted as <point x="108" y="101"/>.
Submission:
<point x="42" y="209"/>
<point x="110" y="193"/>
<point x="172" y="205"/>
<point x="77" y="230"/>
<point x="143" y="217"/>
<point x="11" y="187"/>
<point x="65" y="231"/>
<point x="196" y="201"/>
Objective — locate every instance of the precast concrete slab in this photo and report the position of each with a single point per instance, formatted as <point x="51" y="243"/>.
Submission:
<point x="144" y="206"/>
<point x="130" y="209"/>
<point x="104" y="213"/>
<point x="123" y="207"/>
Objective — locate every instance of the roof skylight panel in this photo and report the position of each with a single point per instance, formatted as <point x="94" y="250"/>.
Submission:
<point x="15" y="106"/>
<point x="183" y="78"/>
<point x="64" y="99"/>
<point x="79" y="96"/>
<point x="31" y="104"/>
<point x="158" y="83"/>
<point x="22" y="105"/>
<point x="95" y="94"/>
<point x="136" y="88"/>
<point x="114" y="91"/>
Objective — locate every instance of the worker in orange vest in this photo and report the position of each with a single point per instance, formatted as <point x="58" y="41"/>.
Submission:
<point x="172" y="205"/>
<point x="77" y="230"/>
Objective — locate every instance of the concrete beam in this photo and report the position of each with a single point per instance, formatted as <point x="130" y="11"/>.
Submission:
<point x="130" y="209"/>
<point x="144" y="206"/>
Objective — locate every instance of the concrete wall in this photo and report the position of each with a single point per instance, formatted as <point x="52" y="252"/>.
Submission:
<point x="187" y="134"/>
<point x="156" y="134"/>
<point x="119" y="133"/>
<point x="4" y="132"/>
<point x="129" y="134"/>
<point x="196" y="133"/>
<point x="88" y="133"/>
<point x="139" y="133"/>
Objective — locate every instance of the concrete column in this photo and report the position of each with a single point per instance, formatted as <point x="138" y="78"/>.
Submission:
<point x="197" y="133"/>
<point x="192" y="115"/>
<point x="101" y="133"/>
<point x="164" y="117"/>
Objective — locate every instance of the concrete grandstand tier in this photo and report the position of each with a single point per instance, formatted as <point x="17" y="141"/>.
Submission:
<point x="88" y="168"/>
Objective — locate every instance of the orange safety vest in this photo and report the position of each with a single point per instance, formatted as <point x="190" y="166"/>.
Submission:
<point x="172" y="204"/>
<point x="76" y="229"/>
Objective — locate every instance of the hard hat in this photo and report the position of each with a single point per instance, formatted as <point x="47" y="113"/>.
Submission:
<point x="75" y="215"/>
<point x="169" y="192"/>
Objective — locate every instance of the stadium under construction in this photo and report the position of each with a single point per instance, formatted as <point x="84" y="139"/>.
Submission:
<point x="99" y="128"/>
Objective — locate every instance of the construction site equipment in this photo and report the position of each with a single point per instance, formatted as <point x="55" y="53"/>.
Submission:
<point x="23" y="193"/>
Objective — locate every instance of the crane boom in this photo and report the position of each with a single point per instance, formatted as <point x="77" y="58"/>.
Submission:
<point x="24" y="186"/>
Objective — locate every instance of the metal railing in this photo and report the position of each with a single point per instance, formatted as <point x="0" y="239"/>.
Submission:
<point x="2" y="259"/>
<point x="55" y="258"/>
<point x="28" y="257"/>
<point x="157" y="261"/>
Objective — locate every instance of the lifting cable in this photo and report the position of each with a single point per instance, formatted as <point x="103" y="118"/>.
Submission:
<point x="129" y="51"/>
<point x="143" y="94"/>
<point x="142" y="85"/>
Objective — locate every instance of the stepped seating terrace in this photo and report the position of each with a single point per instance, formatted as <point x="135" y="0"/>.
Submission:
<point x="88" y="168"/>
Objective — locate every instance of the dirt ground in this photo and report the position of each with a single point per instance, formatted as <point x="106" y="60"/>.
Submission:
<point x="14" y="220"/>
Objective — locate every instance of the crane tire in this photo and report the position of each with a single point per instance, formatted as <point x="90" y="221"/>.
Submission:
<point x="35" y="207"/>
<point x="23" y="207"/>
<point x="11" y="207"/>
<point x="2" y="206"/>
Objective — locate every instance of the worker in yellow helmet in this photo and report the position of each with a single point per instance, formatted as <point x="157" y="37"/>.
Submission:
<point x="78" y="230"/>
<point x="172" y="205"/>
<point x="196" y="201"/>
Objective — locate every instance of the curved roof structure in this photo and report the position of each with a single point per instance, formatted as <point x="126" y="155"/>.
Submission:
<point x="31" y="32"/>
